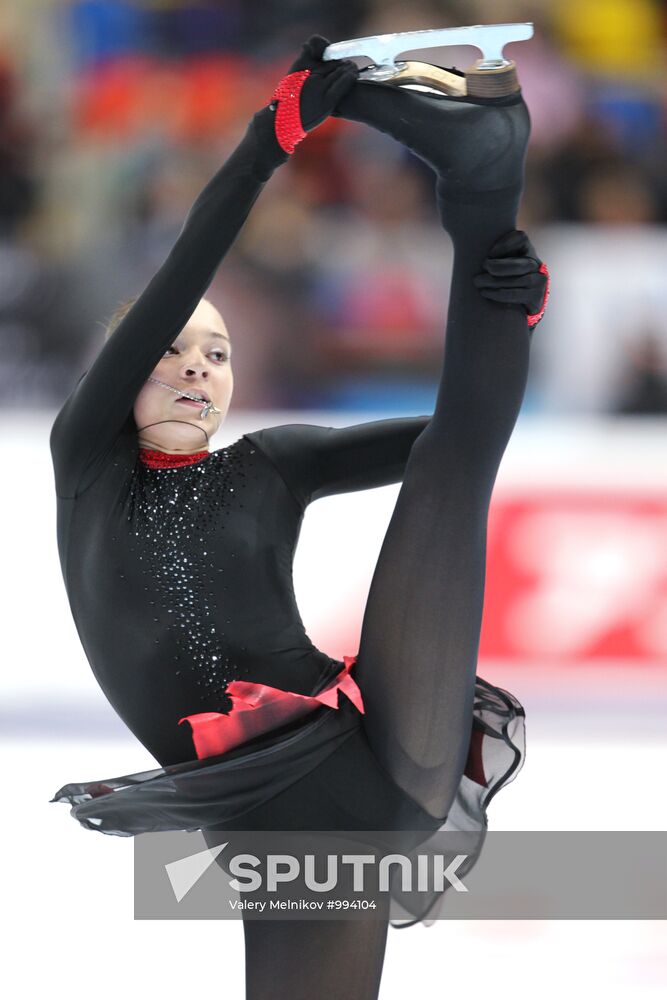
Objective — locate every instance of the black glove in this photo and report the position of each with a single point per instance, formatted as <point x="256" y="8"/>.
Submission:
<point x="514" y="273"/>
<point x="327" y="84"/>
<point x="306" y="103"/>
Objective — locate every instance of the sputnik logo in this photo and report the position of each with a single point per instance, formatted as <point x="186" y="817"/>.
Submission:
<point x="186" y="872"/>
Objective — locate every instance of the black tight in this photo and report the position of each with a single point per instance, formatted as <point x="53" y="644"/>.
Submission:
<point x="420" y="635"/>
<point x="303" y="959"/>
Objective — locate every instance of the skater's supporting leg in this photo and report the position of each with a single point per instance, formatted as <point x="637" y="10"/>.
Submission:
<point x="302" y="959"/>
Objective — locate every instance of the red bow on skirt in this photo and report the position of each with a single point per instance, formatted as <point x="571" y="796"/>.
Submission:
<point x="258" y="708"/>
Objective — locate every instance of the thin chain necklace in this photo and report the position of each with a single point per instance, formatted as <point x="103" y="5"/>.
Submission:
<point x="205" y="410"/>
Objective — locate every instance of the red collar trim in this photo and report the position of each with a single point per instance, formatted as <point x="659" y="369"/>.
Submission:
<point x="161" y="460"/>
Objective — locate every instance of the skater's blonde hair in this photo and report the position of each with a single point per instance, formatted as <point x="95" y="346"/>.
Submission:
<point x="119" y="313"/>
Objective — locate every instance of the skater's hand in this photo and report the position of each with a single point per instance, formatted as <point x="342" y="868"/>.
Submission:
<point x="514" y="273"/>
<point x="304" y="100"/>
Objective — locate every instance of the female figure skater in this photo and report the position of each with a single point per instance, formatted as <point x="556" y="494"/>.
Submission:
<point x="177" y="560"/>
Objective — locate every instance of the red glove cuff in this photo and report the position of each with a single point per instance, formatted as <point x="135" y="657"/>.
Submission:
<point x="536" y="317"/>
<point x="289" y="130"/>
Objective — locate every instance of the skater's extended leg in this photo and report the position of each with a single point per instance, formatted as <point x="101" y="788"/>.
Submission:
<point x="420" y="634"/>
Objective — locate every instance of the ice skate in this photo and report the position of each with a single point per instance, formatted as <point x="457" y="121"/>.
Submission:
<point x="490" y="76"/>
<point x="473" y="143"/>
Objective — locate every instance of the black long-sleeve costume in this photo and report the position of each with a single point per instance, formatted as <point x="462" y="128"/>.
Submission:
<point x="180" y="579"/>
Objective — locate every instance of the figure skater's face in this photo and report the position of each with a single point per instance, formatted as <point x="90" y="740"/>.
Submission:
<point x="198" y="362"/>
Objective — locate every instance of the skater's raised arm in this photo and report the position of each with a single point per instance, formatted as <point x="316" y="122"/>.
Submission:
<point x="97" y="410"/>
<point x="94" y="414"/>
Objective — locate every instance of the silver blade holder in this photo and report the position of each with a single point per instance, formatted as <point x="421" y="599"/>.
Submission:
<point x="490" y="39"/>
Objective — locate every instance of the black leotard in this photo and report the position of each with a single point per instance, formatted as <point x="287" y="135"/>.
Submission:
<point x="180" y="579"/>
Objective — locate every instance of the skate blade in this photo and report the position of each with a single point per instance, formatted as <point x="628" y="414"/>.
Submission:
<point x="490" y="76"/>
<point x="382" y="50"/>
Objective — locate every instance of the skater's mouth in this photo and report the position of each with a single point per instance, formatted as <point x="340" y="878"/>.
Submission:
<point x="191" y="402"/>
<point x="196" y="396"/>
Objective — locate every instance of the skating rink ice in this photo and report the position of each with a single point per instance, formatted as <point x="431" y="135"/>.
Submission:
<point x="596" y="759"/>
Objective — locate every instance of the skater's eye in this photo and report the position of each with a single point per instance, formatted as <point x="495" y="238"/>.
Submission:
<point x="221" y="356"/>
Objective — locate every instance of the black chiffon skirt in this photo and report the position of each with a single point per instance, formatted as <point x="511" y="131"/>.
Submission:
<point x="318" y="775"/>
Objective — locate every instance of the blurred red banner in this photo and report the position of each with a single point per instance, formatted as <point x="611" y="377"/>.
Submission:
<point x="577" y="576"/>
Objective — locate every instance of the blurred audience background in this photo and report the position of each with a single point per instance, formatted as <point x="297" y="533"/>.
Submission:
<point x="115" y="113"/>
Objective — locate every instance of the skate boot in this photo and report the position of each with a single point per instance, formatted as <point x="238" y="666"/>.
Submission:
<point x="474" y="143"/>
